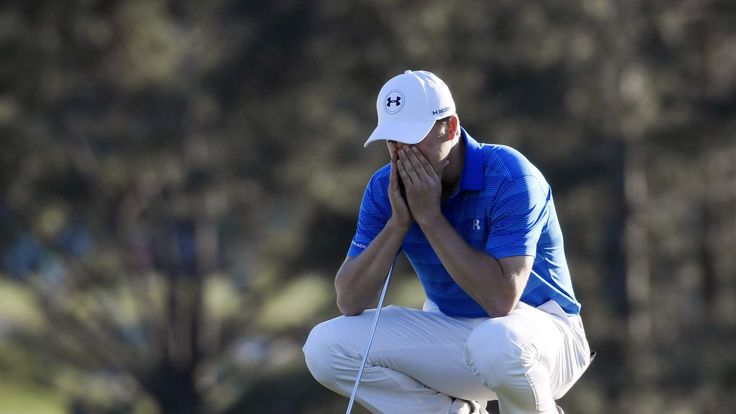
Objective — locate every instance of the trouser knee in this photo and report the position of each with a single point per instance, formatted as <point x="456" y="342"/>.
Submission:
<point x="493" y="355"/>
<point x="322" y="353"/>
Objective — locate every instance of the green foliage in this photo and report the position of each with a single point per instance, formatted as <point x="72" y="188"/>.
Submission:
<point x="19" y="399"/>
<point x="180" y="180"/>
<point x="296" y="304"/>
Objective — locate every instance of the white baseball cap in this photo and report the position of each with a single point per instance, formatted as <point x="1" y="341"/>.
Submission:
<point x="408" y="106"/>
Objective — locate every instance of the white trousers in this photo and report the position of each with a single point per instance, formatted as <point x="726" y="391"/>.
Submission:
<point x="422" y="359"/>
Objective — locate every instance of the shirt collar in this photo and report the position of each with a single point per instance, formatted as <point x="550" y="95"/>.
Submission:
<point x="472" y="177"/>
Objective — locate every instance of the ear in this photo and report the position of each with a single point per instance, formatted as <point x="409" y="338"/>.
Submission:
<point x="453" y="126"/>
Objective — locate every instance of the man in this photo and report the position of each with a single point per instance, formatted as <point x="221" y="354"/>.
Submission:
<point x="478" y="225"/>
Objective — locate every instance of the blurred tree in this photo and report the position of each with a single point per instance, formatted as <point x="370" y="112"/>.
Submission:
<point x="180" y="180"/>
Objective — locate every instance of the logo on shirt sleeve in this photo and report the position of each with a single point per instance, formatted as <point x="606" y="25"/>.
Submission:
<point x="476" y="224"/>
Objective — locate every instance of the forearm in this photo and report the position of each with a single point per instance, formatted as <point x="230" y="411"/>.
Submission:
<point x="479" y="274"/>
<point x="359" y="279"/>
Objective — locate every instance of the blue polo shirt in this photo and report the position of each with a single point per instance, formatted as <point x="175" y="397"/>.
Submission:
<point x="503" y="207"/>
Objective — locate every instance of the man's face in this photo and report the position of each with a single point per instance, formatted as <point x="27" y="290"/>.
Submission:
<point x="435" y="146"/>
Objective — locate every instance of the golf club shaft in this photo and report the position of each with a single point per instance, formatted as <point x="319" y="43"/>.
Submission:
<point x="370" y="339"/>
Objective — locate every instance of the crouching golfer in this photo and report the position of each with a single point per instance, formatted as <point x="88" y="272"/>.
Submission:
<point x="478" y="224"/>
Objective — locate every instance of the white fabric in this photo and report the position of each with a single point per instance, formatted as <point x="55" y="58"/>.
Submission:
<point x="422" y="359"/>
<point x="408" y="106"/>
<point x="467" y="407"/>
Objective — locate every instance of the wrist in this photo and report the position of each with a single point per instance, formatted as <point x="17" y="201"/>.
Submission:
<point x="400" y="226"/>
<point x="429" y="218"/>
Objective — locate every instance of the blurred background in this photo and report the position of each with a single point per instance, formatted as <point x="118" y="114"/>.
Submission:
<point x="180" y="180"/>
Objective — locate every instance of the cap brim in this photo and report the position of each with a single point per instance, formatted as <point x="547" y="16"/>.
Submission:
<point x="404" y="132"/>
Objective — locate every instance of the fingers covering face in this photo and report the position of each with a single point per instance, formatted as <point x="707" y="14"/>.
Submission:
<point x="418" y="163"/>
<point x="421" y="164"/>
<point x="406" y="170"/>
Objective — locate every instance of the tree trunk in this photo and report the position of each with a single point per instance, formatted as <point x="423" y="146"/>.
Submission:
<point x="636" y="247"/>
<point x="176" y="392"/>
<point x="719" y="234"/>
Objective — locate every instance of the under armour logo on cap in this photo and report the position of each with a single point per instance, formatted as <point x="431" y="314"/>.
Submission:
<point x="394" y="101"/>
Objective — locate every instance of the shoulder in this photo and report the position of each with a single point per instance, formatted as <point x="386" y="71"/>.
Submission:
<point x="377" y="186"/>
<point x="502" y="161"/>
<point x="381" y="176"/>
<point x="384" y="171"/>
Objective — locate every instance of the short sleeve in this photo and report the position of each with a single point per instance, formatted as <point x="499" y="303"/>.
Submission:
<point x="517" y="218"/>
<point x="375" y="210"/>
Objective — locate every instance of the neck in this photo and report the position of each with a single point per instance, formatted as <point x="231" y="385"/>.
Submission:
<point x="452" y="174"/>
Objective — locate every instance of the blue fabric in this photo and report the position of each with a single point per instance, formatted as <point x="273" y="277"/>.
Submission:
<point x="504" y="207"/>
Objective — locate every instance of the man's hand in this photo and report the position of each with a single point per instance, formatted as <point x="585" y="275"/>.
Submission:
<point x="400" y="213"/>
<point x="496" y="285"/>
<point x="423" y="184"/>
<point x="359" y="279"/>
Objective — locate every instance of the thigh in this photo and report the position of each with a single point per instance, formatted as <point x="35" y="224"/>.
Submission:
<point x="427" y="346"/>
<point x="523" y="325"/>
<point x="534" y="336"/>
<point x="526" y="332"/>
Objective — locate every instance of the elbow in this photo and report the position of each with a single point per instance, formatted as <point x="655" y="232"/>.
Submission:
<point x="347" y="309"/>
<point x="347" y="304"/>
<point x="508" y="293"/>
<point x="347" y="301"/>
<point x="502" y="306"/>
<point x="499" y="310"/>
